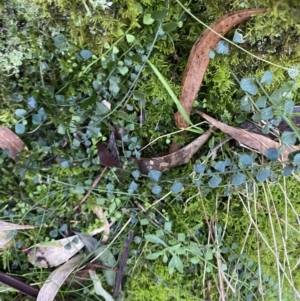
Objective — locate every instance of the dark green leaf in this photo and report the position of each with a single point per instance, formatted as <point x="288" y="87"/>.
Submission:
<point x="238" y="179"/>
<point x="199" y="168"/>
<point x="214" y="181"/>
<point x="85" y="54"/>
<point x="20" y="112"/>
<point x="60" y="41"/>
<point x="297" y="159"/>
<point x="211" y="54"/>
<point x="36" y="119"/>
<point x="130" y="38"/>
<point x="178" y="263"/>
<point x="171" y="266"/>
<point x="246" y="160"/>
<point x="123" y="70"/>
<point x="238" y="37"/>
<point x="288" y="138"/>
<point x="262" y="175"/>
<point x="147" y="20"/>
<point x="158" y="15"/>
<point x="257" y="117"/>
<point x="136" y="174"/>
<point x="154" y="239"/>
<point x="153" y="256"/>
<point x="176" y="187"/>
<point x="132" y="187"/>
<point x="276" y="96"/>
<point x="156" y="189"/>
<point x="220" y="166"/>
<point x="42" y="113"/>
<point x="68" y="246"/>
<point x="222" y="47"/>
<point x="168" y="27"/>
<point x="288" y="86"/>
<point x="154" y="174"/>
<point x="267" y="113"/>
<point x="101" y="109"/>
<point x="287" y="170"/>
<point x="138" y="95"/>
<point x="293" y="72"/>
<point x="65" y="164"/>
<point x="198" y="183"/>
<point x="289" y="107"/>
<point x="20" y="128"/>
<point x="31" y="102"/>
<point x="245" y="104"/>
<point x="267" y="78"/>
<point x="113" y="87"/>
<point x="272" y="154"/>
<point x="90" y="100"/>
<point x="249" y="85"/>
<point x="261" y="101"/>
<point x="63" y="227"/>
<point x="53" y="233"/>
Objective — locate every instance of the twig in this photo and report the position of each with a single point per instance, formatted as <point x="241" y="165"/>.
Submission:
<point x="88" y="194"/>
<point x="20" y="286"/>
<point x="122" y="264"/>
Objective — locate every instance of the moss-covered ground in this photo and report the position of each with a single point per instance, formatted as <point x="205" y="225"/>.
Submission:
<point x="73" y="72"/>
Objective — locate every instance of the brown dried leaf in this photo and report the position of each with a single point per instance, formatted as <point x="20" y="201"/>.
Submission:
<point x="9" y="140"/>
<point x="106" y="157"/>
<point x="256" y="142"/>
<point x="177" y="158"/>
<point x="199" y="58"/>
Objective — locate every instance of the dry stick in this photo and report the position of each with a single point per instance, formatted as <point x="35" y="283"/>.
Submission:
<point x="122" y="264"/>
<point x="20" y="285"/>
<point x="88" y="194"/>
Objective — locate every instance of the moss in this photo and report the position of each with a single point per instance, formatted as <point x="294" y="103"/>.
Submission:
<point x="153" y="282"/>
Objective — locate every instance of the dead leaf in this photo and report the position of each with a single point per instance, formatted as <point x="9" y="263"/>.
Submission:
<point x="256" y="142"/>
<point x="57" y="278"/>
<point x="199" y="58"/>
<point x="4" y="226"/>
<point x="53" y="253"/>
<point x="6" y="232"/>
<point x="106" y="157"/>
<point x="180" y="157"/>
<point x="9" y="140"/>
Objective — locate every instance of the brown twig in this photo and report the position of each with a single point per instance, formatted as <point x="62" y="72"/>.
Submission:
<point x="20" y="285"/>
<point x="122" y="264"/>
<point x="88" y="194"/>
